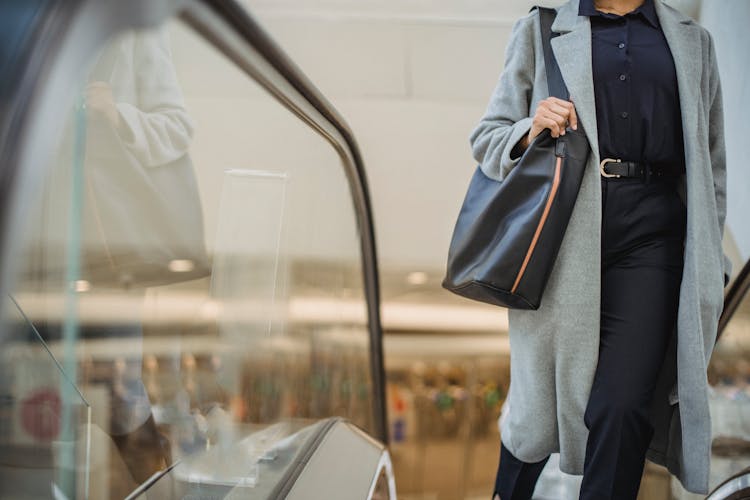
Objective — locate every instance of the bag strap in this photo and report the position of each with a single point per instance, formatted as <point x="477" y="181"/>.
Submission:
<point x="555" y="82"/>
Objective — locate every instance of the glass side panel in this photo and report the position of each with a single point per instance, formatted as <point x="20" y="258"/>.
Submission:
<point x="190" y="290"/>
<point x="382" y="491"/>
<point x="44" y="417"/>
<point x="253" y="467"/>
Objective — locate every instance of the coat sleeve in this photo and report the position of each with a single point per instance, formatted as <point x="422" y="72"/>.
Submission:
<point x="716" y="146"/>
<point x="157" y="129"/>
<point x="507" y="119"/>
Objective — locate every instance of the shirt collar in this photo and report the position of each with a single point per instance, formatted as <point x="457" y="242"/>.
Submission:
<point x="587" y="8"/>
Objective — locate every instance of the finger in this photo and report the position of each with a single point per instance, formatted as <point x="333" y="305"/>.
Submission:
<point x="560" y="102"/>
<point x="551" y="124"/>
<point x="560" y="121"/>
<point x="563" y="108"/>
<point x="573" y="116"/>
<point x="562" y="112"/>
<point x="557" y="108"/>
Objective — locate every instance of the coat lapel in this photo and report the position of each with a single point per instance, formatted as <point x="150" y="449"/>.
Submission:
<point x="684" y="39"/>
<point x="572" y="49"/>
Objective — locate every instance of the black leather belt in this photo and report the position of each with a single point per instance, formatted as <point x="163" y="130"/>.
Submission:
<point x="615" y="167"/>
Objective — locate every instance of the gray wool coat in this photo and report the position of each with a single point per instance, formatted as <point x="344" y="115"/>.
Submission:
<point x="554" y="349"/>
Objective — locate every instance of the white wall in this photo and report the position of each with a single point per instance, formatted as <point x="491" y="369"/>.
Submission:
<point x="728" y="22"/>
<point x="413" y="77"/>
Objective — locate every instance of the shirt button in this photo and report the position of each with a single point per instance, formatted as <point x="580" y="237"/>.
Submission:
<point x="623" y="77"/>
<point x="621" y="45"/>
<point x="624" y="114"/>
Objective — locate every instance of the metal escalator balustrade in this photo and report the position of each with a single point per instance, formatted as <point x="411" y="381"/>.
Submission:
<point x="731" y="405"/>
<point x="274" y="73"/>
<point x="734" y="297"/>
<point x="148" y="351"/>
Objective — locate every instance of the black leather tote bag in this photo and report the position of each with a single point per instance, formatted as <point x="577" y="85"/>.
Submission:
<point x="508" y="233"/>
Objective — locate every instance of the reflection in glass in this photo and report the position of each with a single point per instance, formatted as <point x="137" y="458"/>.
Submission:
<point x="729" y="392"/>
<point x="217" y="310"/>
<point x="44" y="417"/>
<point x="144" y="221"/>
<point x="729" y="374"/>
<point x="245" y="282"/>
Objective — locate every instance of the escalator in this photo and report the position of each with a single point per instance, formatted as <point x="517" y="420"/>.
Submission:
<point x="191" y="302"/>
<point x="235" y="353"/>
<point x="731" y="416"/>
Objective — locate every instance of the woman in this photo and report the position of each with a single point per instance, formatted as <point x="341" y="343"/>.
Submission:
<point x="136" y="118"/>
<point x="611" y="369"/>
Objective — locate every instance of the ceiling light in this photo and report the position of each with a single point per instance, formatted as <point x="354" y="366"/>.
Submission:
<point x="83" y="286"/>
<point x="416" y="278"/>
<point x="181" y="265"/>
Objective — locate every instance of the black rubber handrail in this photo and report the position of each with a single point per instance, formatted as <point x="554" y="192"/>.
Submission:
<point x="319" y="115"/>
<point x="327" y="122"/>
<point x="736" y="487"/>
<point x="734" y="297"/>
<point x="305" y="453"/>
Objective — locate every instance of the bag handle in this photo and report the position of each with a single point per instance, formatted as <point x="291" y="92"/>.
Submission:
<point x="555" y="82"/>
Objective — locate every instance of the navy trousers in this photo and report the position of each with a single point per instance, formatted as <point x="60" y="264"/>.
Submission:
<point x="643" y="231"/>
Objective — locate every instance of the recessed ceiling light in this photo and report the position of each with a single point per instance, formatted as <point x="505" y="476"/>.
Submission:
<point x="83" y="286"/>
<point x="181" y="265"/>
<point x="416" y="278"/>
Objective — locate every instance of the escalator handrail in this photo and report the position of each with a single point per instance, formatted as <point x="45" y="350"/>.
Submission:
<point x="319" y="114"/>
<point x="733" y="297"/>
<point x="736" y="487"/>
<point x="243" y="24"/>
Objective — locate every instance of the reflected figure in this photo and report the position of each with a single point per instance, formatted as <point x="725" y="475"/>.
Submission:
<point x="142" y="222"/>
<point x="142" y="219"/>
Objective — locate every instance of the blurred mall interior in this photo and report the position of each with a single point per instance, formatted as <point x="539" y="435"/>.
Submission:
<point x="224" y="229"/>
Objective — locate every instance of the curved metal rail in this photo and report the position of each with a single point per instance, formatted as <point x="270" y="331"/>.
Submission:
<point x="31" y="111"/>
<point x="736" y="487"/>
<point x="233" y="31"/>
<point x="733" y="297"/>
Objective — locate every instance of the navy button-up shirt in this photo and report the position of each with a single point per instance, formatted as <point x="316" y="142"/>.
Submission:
<point x="635" y="87"/>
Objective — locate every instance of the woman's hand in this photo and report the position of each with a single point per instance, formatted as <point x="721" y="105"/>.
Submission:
<point x="99" y="98"/>
<point x="552" y="113"/>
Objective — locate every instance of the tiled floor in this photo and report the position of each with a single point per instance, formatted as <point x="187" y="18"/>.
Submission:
<point x="439" y="475"/>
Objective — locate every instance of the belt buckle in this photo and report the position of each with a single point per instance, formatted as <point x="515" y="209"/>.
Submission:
<point x="604" y="162"/>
